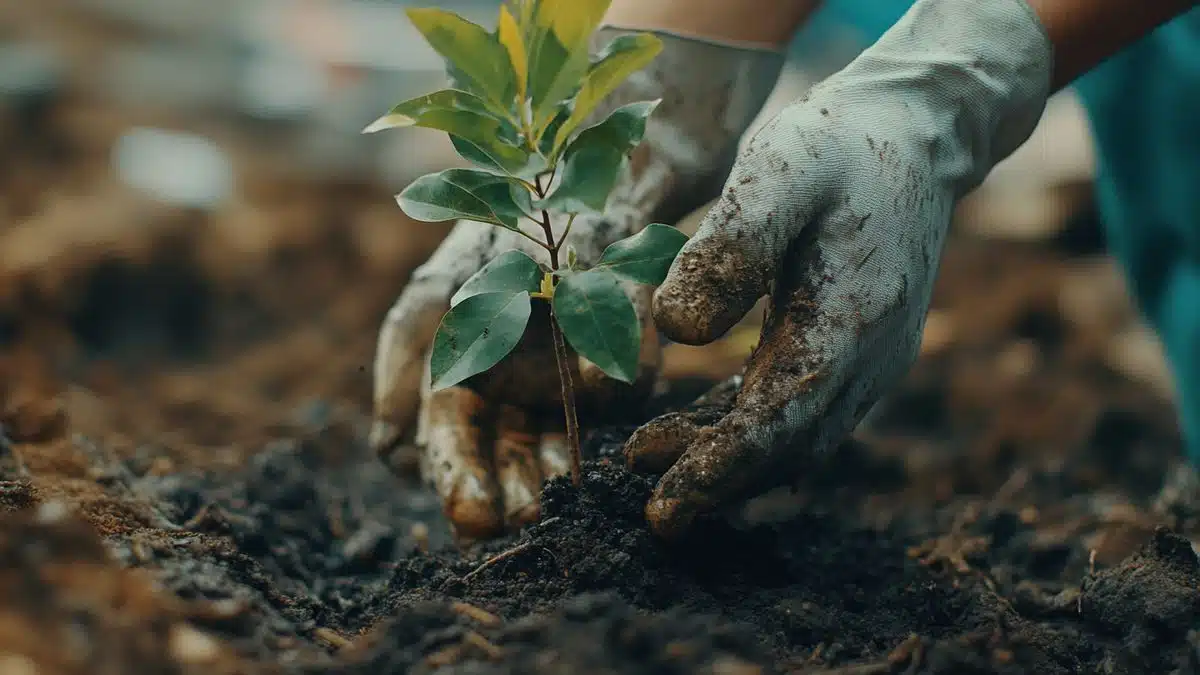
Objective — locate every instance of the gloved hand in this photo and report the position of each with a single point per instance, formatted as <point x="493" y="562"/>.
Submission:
<point x="710" y="93"/>
<point x="837" y="209"/>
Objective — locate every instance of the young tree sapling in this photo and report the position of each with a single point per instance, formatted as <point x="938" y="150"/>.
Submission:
<point x="516" y="110"/>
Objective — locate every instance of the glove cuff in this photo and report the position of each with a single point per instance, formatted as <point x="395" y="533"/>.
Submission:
<point x="711" y="92"/>
<point x="981" y="72"/>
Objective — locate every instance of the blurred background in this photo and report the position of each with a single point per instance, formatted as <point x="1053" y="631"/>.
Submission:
<point x="197" y="245"/>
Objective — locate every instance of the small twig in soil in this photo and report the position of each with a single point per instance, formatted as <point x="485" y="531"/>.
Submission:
<point x="476" y="614"/>
<point x="911" y="651"/>
<point x="455" y="653"/>
<point x="499" y="557"/>
<point x="483" y="644"/>
<point x="331" y="638"/>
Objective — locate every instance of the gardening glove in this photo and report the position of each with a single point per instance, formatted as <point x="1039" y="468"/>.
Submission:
<point x="837" y="209"/>
<point x="491" y="441"/>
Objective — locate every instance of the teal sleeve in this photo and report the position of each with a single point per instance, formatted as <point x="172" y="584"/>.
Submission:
<point x="1144" y="108"/>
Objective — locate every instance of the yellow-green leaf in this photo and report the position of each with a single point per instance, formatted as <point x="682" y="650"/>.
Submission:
<point x="514" y="43"/>
<point x="622" y="57"/>
<point x="573" y="21"/>
<point x="558" y="52"/>
<point x="419" y="111"/>
<point x="473" y="54"/>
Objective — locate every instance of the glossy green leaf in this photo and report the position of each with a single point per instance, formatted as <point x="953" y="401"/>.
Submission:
<point x="481" y="136"/>
<point x="559" y="56"/>
<point x="546" y="144"/>
<point x="599" y="322"/>
<point x="509" y="33"/>
<point x="592" y="162"/>
<point x="624" y="56"/>
<point x="430" y="110"/>
<point x="466" y="193"/>
<point x="476" y="334"/>
<point x="474" y="56"/>
<point x="646" y="257"/>
<point x="497" y="156"/>
<point x="510" y="272"/>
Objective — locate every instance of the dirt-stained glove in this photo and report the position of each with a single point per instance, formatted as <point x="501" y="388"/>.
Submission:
<point x="837" y="209"/>
<point x="490" y="442"/>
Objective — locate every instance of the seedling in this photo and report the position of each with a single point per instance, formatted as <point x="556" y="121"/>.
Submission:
<point x="519" y="99"/>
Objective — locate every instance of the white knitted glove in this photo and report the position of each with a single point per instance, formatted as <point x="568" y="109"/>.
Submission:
<point x="490" y="442"/>
<point x="838" y="208"/>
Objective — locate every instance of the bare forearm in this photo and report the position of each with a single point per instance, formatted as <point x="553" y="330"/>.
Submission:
<point x="764" y="22"/>
<point x="1086" y="32"/>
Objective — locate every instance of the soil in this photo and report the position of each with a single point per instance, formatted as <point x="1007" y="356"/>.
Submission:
<point x="185" y="485"/>
<point x="1015" y="507"/>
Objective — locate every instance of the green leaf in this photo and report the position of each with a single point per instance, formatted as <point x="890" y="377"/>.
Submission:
<point x="599" y="322"/>
<point x="509" y="32"/>
<point x="592" y="162"/>
<point x="510" y="272"/>
<point x="429" y="111"/>
<point x="490" y="142"/>
<point x="624" y="56"/>
<point x="546" y="144"/>
<point x="476" y="334"/>
<point x="559" y="52"/>
<point x="646" y="257"/>
<point x="466" y="193"/>
<point x="496" y="156"/>
<point x="475" y="57"/>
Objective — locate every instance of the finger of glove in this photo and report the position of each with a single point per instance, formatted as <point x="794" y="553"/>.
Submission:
<point x="410" y="326"/>
<point x="518" y="469"/>
<point x="457" y="465"/>
<point x="804" y="388"/>
<point x="657" y="445"/>
<point x="731" y="262"/>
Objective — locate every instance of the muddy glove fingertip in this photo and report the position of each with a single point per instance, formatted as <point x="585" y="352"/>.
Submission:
<point x="712" y="284"/>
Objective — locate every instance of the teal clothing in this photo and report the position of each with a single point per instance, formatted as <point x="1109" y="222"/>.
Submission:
<point x="1144" y="108"/>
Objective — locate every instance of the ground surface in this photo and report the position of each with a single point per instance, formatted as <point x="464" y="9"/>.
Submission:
<point x="1003" y="513"/>
<point x="184" y="485"/>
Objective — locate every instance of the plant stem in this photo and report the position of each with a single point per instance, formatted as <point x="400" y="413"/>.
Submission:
<point x="567" y="229"/>
<point x="568" y="396"/>
<point x="560" y="352"/>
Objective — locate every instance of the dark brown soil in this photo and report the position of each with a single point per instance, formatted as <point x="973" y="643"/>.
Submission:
<point x="185" y="487"/>
<point x="900" y="554"/>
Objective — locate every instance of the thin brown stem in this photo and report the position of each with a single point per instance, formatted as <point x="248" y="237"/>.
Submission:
<point x="568" y="396"/>
<point x="535" y="240"/>
<point x="567" y="230"/>
<point x="560" y="351"/>
<point x="553" y="246"/>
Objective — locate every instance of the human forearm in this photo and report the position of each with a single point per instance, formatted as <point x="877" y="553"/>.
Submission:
<point x="1086" y="32"/>
<point x="763" y="22"/>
